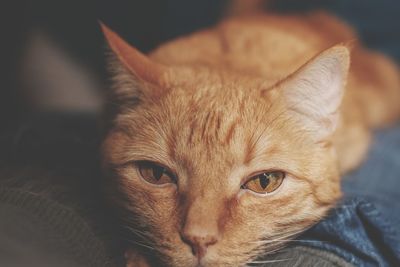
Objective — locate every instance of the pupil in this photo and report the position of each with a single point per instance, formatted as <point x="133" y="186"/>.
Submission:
<point x="264" y="181"/>
<point x="158" y="172"/>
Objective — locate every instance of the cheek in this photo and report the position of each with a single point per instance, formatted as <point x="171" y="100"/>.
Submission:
<point x="154" y="205"/>
<point x="156" y="210"/>
<point x="155" y="202"/>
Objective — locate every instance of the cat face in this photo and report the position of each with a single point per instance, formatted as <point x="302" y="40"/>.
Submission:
<point x="213" y="168"/>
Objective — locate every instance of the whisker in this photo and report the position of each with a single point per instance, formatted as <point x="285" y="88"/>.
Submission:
<point x="283" y="240"/>
<point x="282" y="236"/>
<point x="269" y="261"/>
<point x="136" y="232"/>
<point x="139" y="244"/>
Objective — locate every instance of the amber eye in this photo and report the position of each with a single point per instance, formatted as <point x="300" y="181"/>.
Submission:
<point x="266" y="182"/>
<point x="155" y="173"/>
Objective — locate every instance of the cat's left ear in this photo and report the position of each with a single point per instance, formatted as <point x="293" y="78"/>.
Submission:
<point x="314" y="92"/>
<point x="141" y="68"/>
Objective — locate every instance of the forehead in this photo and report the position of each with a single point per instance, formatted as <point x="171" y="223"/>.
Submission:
<point x="207" y="115"/>
<point x="216" y="123"/>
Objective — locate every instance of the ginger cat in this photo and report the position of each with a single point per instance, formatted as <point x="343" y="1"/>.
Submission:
<point x="229" y="138"/>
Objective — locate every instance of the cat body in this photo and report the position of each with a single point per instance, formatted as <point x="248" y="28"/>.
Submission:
<point x="198" y="125"/>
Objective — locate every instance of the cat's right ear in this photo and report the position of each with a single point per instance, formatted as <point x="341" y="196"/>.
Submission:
<point x="314" y="92"/>
<point x="134" y="73"/>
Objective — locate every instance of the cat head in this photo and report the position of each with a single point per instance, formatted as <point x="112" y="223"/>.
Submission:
<point x="210" y="166"/>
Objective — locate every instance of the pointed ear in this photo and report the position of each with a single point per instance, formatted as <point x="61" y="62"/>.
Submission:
<point x="135" y="78"/>
<point x="137" y="63"/>
<point x="314" y="92"/>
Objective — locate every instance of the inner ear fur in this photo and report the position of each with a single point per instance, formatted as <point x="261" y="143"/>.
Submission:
<point x="315" y="91"/>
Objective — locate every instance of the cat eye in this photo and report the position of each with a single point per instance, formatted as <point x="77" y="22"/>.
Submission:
<point x="155" y="173"/>
<point x="266" y="182"/>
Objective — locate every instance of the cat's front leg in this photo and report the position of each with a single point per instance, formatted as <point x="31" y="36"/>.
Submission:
<point x="134" y="259"/>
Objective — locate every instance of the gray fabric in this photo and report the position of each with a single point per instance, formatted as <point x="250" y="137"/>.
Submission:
<point x="24" y="242"/>
<point x="304" y="256"/>
<point x="36" y="231"/>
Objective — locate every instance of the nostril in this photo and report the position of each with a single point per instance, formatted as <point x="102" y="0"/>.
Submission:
<point x="208" y="241"/>
<point x="200" y="244"/>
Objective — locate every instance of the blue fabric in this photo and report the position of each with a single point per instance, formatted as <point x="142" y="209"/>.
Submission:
<point x="364" y="228"/>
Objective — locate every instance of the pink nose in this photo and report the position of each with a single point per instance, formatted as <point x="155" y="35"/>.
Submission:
<point x="199" y="242"/>
<point x="201" y="229"/>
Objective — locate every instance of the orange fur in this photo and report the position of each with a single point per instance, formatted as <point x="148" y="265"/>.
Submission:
<point x="254" y="93"/>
